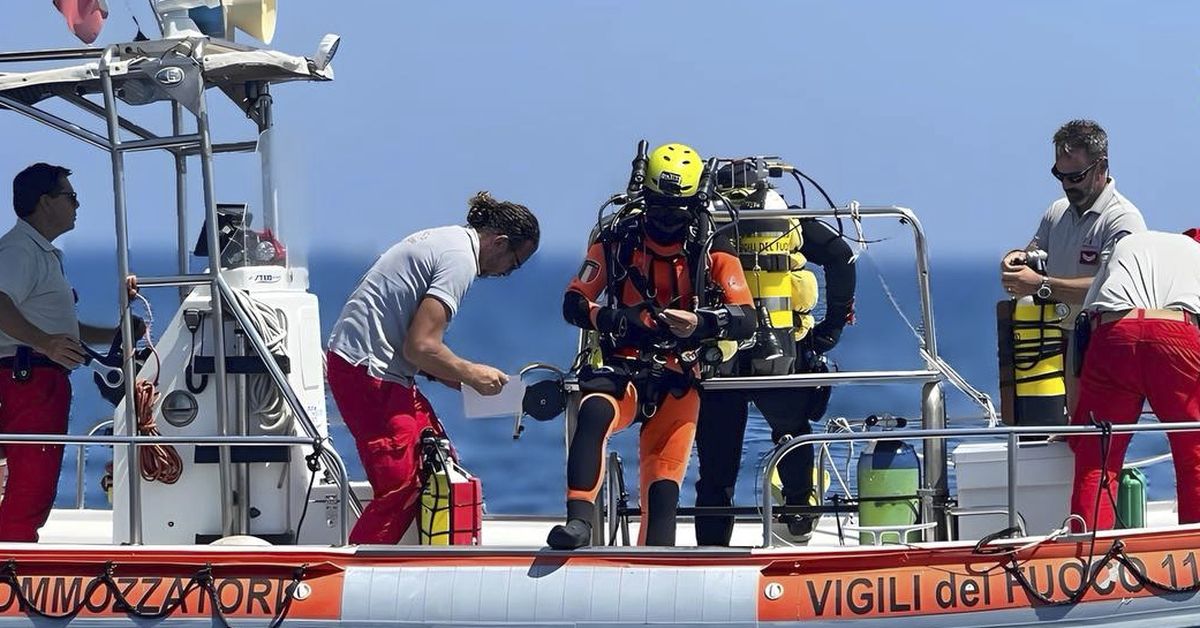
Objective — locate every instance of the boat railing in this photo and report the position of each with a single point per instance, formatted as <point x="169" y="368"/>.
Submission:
<point x="147" y="441"/>
<point x="934" y="486"/>
<point x="100" y="426"/>
<point x="1011" y="433"/>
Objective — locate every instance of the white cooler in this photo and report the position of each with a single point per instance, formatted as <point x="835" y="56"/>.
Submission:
<point x="1044" y="476"/>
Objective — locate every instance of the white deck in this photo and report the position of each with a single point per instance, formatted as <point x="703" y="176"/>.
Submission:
<point x="94" y="527"/>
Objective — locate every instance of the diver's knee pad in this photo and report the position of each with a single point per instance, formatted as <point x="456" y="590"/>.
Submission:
<point x="595" y="418"/>
<point x="662" y="501"/>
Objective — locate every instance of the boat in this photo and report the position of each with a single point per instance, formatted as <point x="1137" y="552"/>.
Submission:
<point x="253" y="531"/>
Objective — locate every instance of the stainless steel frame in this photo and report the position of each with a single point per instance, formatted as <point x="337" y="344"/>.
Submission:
<point x="934" y="491"/>
<point x="180" y="145"/>
<point x="1012" y="434"/>
<point x="338" y="469"/>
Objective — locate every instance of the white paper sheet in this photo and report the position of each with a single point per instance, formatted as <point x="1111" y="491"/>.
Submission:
<point x="507" y="403"/>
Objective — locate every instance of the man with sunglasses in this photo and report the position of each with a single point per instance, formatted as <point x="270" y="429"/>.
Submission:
<point x="39" y="344"/>
<point x="392" y="328"/>
<point x="1077" y="232"/>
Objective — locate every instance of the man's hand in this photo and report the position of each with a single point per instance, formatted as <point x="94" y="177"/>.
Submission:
<point x="619" y="320"/>
<point x="682" y="323"/>
<point x="1013" y="261"/>
<point x="1021" y="282"/>
<point x="822" y="338"/>
<point x="486" y="380"/>
<point x="63" y="349"/>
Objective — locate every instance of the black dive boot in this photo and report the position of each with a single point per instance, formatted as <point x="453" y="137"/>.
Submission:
<point x="577" y="532"/>
<point x="799" y="527"/>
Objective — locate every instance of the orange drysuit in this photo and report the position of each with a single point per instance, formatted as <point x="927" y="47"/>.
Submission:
<point x="654" y="385"/>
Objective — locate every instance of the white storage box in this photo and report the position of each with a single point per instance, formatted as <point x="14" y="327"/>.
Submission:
<point x="1044" y="476"/>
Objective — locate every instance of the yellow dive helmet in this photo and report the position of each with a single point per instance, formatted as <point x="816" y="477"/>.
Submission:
<point x="674" y="170"/>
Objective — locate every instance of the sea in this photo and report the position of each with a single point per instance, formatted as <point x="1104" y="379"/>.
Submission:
<point x="514" y="321"/>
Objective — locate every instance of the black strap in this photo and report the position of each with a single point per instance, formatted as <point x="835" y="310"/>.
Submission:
<point x="25" y="360"/>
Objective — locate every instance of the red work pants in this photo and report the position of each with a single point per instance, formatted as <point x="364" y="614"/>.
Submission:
<point x="39" y="405"/>
<point x="386" y="420"/>
<point x="1129" y="361"/>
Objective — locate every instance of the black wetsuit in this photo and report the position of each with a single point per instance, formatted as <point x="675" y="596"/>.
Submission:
<point x="789" y="411"/>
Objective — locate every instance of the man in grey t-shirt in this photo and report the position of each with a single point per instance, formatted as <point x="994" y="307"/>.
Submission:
<point x="392" y="328"/>
<point x="1077" y="232"/>
<point x="40" y="341"/>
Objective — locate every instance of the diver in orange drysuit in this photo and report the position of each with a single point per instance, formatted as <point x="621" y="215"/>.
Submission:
<point x="653" y="330"/>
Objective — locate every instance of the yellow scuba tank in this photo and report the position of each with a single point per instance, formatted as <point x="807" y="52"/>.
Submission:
<point x="451" y="507"/>
<point x="784" y="291"/>
<point x="1032" y="349"/>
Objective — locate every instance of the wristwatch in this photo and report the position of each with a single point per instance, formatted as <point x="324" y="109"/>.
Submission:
<point x="1043" y="291"/>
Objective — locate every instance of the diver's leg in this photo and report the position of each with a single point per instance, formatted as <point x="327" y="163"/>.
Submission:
<point x="599" y="416"/>
<point x="786" y="412"/>
<point x="719" y="434"/>
<point x="664" y="449"/>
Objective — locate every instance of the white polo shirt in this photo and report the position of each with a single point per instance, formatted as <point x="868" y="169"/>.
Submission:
<point x="1149" y="270"/>
<point x="1076" y="243"/>
<point x="33" y="278"/>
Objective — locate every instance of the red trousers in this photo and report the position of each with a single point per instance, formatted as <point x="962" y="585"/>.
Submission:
<point x="1129" y="361"/>
<point x="386" y="420"/>
<point x="39" y="405"/>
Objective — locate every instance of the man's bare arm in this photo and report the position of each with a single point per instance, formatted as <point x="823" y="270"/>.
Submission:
<point x="424" y="347"/>
<point x="1070" y="290"/>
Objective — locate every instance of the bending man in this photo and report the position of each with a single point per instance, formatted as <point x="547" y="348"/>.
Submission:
<point x="392" y="328"/>
<point x="1144" y="345"/>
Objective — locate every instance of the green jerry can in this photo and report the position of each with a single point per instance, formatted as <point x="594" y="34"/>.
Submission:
<point x="1131" y="499"/>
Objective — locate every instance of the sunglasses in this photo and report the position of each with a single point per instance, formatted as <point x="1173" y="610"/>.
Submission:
<point x="517" y="262"/>
<point x="1073" y="177"/>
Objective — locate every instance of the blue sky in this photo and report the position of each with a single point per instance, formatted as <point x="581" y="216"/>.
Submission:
<point x="945" y="107"/>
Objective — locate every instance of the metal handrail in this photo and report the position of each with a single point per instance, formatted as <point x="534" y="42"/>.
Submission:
<point x="79" y="461"/>
<point x="1012" y="434"/>
<point x="1146" y="462"/>
<point x="337" y="467"/>
<point x="259" y="345"/>
<point x="814" y="380"/>
<point x="53" y="54"/>
<point x="179" y="144"/>
<point x="144" y="441"/>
